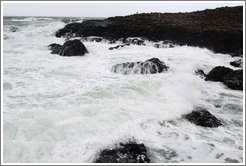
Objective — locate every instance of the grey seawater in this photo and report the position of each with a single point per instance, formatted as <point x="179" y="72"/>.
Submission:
<point x="67" y="109"/>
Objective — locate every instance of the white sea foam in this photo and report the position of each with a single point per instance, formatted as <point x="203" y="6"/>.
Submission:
<point x="68" y="109"/>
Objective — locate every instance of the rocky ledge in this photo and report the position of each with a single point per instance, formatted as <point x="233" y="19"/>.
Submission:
<point x="220" y="29"/>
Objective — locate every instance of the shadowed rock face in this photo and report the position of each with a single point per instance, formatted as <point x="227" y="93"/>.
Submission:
<point x="202" y="117"/>
<point x="69" y="48"/>
<point x="218" y="73"/>
<point x="220" y="30"/>
<point x="234" y="80"/>
<point x="150" y="66"/>
<point x="125" y="153"/>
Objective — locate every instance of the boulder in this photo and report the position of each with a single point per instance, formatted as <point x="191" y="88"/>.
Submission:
<point x="126" y="153"/>
<point x="202" y="117"/>
<point x="234" y="80"/>
<point x="69" y="48"/>
<point x="150" y="66"/>
<point x="218" y="73"/>
<point x="237" y="63"/>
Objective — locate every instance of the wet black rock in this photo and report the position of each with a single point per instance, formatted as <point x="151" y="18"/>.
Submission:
<point x="220" y="29"/>
<point x="126" y="153"/>
<point x="69" y="48"/>
<point x="150" y="66"/>
<point x="202" y="117"/>
<point x="237" y="63"/>
<point x="200" y="73"/>
<point x="218" y="73"/>
<point x="234" y="80"/>
<point x="118" y="46"/>
<point x="55" y="48"/>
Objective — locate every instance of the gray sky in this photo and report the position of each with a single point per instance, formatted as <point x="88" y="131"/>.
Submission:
<point x="99" y="9"/>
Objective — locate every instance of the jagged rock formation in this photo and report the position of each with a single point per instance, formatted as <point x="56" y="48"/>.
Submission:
<point x="220" y="30"/>
<point x="150" y="66"/>
<point x="126" y="153"/>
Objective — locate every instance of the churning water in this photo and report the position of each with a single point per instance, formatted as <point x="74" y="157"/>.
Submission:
<point x="68" y="109"/>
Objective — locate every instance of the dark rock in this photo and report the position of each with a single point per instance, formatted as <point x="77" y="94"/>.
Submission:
<point x="134" y="41"/>
<point x="200" y="73"/>
<point x="150" y="66"/>
<point x="55" y="48"/>
<point x="118" y="46"/>
<point x="69" y="48"/>
<point x="202" y="117"/>
<point x="218" y="73"/>
<point x="237" y="63"/>
<point x="165" y="44"/>
<point x="13" y="29"/>
<point x="126" y="153"/>
<point x="220" y="29"/>
<point x="234" y="80"/>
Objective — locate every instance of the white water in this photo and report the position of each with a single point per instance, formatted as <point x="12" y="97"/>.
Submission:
<point x="68" y="109"/>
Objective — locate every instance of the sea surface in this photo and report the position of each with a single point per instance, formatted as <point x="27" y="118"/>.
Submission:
<point x="68" y="109"/>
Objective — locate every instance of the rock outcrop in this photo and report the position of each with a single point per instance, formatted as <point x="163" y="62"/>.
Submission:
<point x="202" y="117"/>
<point x="150" y="66"/>
<point x="126" y="153"/>
<point x="218" y="73"/>
<point x="220" y="29"/>
<point x="69" y="48"/>
<point x="233" y="79"/>
<point x="237" y="63"/>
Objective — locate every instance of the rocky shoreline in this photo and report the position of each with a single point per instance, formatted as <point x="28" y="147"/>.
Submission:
<point x="220" y="29"/>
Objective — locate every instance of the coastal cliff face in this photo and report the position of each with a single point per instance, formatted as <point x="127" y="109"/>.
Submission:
<point x="220" y="30"/>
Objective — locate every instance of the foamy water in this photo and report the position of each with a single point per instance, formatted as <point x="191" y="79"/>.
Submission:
<point x="68" y="109"/>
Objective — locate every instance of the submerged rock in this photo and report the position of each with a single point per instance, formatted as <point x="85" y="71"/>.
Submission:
<point x="218" y="73"/>
<point x="165" y="44"/>
<point x="135" y="41"/>
<point x="237" y="63"/>
<point x="150" y="66"/>
<point x="126" y="153"/>
<point x="55" y="48"/>
<point x="202" y="117"/>
<point x="234" y="80"/>
<point x="69" y="48"/>
<point x="200" y="73"/>
<point x="118" y="46"/>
